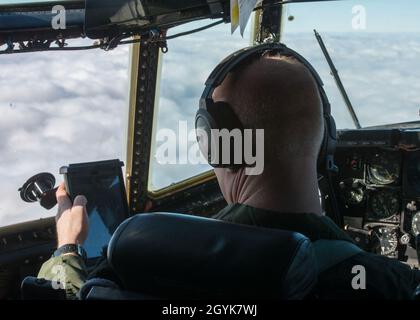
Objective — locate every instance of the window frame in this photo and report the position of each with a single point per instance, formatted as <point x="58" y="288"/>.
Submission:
<point x="179" y="186"/>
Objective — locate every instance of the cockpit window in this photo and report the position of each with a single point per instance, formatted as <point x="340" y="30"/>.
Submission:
<point x="56" y="109"/>
<point x="184" y="70"/>
<point x="375" y="45"/>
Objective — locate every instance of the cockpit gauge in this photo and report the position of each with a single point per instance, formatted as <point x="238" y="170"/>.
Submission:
<point x="384" y="204"/>
<point x="384" y="168"/>
<point x="415" y="224"/>
<point x="405" y="239"/>
<point x="352" y="191"/>
<point x="388" y="240"/>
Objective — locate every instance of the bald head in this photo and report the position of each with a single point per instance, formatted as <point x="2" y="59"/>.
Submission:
<point x="277" y="94"/>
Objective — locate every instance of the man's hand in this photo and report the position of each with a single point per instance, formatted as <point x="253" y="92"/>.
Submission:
<point x="71" y="219"/>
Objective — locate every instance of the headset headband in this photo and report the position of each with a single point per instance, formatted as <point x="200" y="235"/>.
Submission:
<point x="229" y="63"/>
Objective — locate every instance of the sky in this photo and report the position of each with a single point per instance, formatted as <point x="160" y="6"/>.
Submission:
<point x="382" y="15"/>
<point x="61" y="108"/>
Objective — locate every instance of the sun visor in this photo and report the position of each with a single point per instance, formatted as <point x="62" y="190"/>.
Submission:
<point x="115" y="17"/>
<point x="33" y="20"/>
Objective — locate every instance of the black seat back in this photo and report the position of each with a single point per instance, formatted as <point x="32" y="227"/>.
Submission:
<point x="180" y="256"/>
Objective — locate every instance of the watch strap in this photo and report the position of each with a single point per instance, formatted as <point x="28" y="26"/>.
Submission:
<point x="70" y="248"/>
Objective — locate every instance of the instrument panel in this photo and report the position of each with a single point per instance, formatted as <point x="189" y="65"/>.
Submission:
<point x="378" y="188"/>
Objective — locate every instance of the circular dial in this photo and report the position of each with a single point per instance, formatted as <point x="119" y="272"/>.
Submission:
<point x="352" y="192"/>
<point x="388" y="240"/>
<point x="415" y="224"/>
<point x="384" y="204"/>
<point x="384" y="169"/>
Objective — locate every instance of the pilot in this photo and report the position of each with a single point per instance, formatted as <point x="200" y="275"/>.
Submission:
<point x="278" y="94"/>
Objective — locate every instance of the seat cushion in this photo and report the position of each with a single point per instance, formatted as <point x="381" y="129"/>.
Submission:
<point x="182" y="256"/>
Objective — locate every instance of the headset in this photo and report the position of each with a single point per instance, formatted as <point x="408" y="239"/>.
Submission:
<point x="213" y="115"/>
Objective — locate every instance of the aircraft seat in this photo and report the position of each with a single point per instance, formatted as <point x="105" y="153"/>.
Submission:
<point x="168" y="255"/>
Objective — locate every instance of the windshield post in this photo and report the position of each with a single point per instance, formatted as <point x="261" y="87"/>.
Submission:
<point x="337" y="79"/>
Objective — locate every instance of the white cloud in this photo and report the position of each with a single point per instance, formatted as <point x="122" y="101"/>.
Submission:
<point x="60" y="108"/>
<point x="56" y="109"/>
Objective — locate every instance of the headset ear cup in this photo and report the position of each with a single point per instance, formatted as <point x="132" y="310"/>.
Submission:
<point x="227" y="121"/>
<point x="329" y="143"/>
<point x="224" y="116"/>
<point x="204" y="123"/>
<point x="332" y="133"/>
<point x="218" y="116"/>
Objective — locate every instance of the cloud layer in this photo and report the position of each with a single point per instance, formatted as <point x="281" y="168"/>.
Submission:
<point x="57" y="109"/>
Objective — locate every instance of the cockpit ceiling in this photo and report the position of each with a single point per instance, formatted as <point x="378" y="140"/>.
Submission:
<point x="105" y="18"/>
<point x="102" y="18"/>
<point x="111" y="16"/>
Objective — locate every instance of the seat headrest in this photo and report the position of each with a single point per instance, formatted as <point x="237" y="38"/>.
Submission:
<point x="182" y="256"/>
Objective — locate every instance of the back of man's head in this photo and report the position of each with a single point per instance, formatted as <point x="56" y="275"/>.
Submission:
<point x="280" y="95"/>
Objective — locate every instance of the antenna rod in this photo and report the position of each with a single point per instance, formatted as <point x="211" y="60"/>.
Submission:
<point x="337" y="79"/>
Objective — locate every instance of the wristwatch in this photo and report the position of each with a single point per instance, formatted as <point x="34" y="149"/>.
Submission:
<point x="71" y="248"/>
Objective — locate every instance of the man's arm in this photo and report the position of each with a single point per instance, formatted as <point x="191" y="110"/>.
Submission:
<point x="72" y="228"/>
